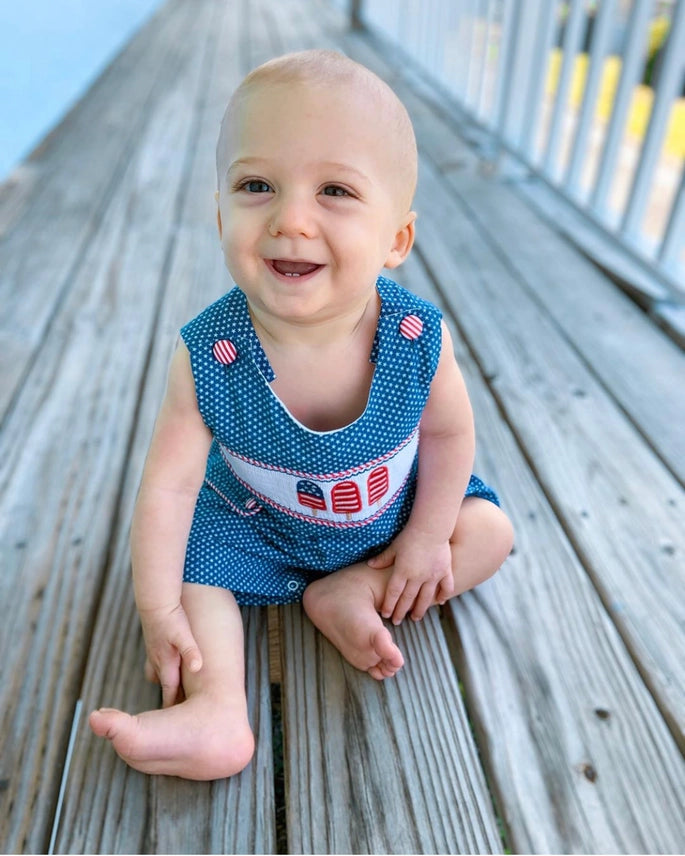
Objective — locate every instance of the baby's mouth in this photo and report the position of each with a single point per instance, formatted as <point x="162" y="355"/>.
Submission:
<point x="293" y="269"/>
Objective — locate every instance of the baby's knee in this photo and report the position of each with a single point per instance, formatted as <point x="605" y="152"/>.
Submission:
<point x="488" y="530"/>
<point x="502" y="533"/>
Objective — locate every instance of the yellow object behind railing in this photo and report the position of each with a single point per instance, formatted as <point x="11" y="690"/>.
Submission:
<point x="640" y="107"/>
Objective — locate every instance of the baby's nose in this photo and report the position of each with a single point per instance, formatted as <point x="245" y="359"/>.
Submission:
<point x="292" y="217"/>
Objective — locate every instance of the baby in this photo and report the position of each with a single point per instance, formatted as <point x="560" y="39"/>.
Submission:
<point x="316" y="439"/>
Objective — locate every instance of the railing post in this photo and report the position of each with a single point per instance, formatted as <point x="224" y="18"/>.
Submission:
<point x="498" y="75"/>
<point x="666" y="89"/>
<point x="356" y="14"/>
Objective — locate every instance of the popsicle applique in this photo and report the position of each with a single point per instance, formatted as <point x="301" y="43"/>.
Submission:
<point x="346" y="498"/>
<point x="377" y="484"/>
<point x="311" y="496"/>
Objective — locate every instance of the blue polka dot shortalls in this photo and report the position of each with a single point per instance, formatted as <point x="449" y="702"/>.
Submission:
<point x="281" y="504"/>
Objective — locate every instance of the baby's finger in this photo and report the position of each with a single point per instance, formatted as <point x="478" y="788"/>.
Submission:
<point x="405" y="603"/>
<point x="192" y="659"/>
<point x="187" y="647"/>
<point x="382" y="560"/>
<point x="170" y="680"/>
<point x="446" y="590"/>
<point x="425" y="599"/>
<point x="392" y="594"/>
<point x="150" y="673"/>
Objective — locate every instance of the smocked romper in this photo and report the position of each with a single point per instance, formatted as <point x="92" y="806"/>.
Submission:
<point x="282" y="505"/>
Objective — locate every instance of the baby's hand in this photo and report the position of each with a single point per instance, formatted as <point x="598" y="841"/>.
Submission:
<point x="169" y="641"/>
<point x="422" y="575"/>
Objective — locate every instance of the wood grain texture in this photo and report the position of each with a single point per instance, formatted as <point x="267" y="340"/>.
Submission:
<point x="577" y="752"/>
<point x="64" y="448"/>
<point x="621" y="506"/>
<point x="385" y="767"/>
<point x="75" y="174"/>
<point x="110" y="808"/>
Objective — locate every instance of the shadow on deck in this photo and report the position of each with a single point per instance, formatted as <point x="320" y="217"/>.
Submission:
<point x="547" y="706"/>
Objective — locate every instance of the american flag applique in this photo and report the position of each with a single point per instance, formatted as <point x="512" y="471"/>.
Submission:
<point x="310" y="495"/>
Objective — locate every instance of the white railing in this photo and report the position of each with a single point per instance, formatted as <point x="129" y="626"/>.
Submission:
<point x="577" y="94"/>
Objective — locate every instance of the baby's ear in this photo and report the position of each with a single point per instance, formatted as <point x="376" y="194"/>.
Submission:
<point x="218" y="215"/>
<point x="404" y="241"/>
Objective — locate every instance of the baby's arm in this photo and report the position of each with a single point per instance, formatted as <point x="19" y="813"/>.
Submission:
<point x="172" y="478"/>
<point x="421" y="552"/>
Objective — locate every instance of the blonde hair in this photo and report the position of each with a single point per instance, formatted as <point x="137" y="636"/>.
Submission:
<point x="329" y="68"/>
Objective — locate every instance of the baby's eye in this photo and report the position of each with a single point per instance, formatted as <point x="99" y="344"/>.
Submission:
<point x="335" y="190"/>
<point x="254" y="185"/>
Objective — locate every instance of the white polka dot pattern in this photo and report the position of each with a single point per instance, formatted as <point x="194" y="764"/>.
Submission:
<point x="245" y="543"/>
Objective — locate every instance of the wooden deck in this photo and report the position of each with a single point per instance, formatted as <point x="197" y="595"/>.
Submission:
<point x="542" y="713"/>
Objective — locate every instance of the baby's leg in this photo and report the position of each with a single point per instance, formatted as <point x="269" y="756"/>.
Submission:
<point x="345" y="605"/>
<point x="208" y="735"/>
<point x="482" y="540"/>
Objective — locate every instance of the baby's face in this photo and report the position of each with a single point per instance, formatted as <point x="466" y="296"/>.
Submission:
<point x="311" y="201"/>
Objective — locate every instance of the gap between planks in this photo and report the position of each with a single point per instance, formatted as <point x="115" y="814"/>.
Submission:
<point x="273" y="620"/>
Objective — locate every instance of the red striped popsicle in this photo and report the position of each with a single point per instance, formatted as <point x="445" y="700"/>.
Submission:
<point x="346" y="498"/>
<point x="377" y="484"/>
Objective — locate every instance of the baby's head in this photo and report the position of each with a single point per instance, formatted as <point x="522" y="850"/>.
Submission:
<point x="380" y="113"/>
<point x="317" y="168"/>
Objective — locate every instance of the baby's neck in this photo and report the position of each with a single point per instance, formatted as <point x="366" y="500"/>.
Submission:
<point x="282" y="334"/>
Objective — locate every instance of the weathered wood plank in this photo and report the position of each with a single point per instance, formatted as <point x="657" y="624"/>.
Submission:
<point x="110" y="808"/>
<point x="170" y="815"/>
<point x="617" y="500"/>
<point x="635" y="361"/>
<point x="75" y="172"/>
<point x="63" y="450"/>
<point x="385" y="767"/>
<point x="578" y="754"/>
<point x="15" y="193"/>
<point x="631" y="356"/>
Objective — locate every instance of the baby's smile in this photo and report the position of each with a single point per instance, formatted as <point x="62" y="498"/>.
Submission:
<point x="286" y="267"/>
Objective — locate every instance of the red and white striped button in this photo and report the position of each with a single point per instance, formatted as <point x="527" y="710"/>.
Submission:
<point x="224" y="351"/>
<point x="411" y="327"/>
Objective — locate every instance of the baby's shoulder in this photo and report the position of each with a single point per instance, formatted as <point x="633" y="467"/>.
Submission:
<point x="395" y="299"/>
<point x="218" y="318"/>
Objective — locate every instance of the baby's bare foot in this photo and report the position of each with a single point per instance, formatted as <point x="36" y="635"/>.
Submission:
<point x="342" y="607"/>
<point x="196" y="739"/>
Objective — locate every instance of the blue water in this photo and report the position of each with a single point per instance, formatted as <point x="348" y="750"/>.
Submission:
<point x="50" y="52"/>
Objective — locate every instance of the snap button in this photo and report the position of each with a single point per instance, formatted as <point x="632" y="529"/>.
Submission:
<point x="224" y="351"/>
<point x="411" y="327"/>
<point x="293" y="585"/>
